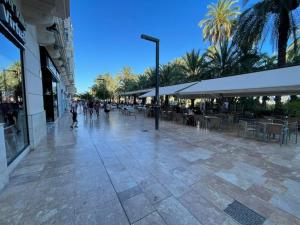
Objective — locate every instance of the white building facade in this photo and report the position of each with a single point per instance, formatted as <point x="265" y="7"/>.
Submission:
<point x="36" y="74"/>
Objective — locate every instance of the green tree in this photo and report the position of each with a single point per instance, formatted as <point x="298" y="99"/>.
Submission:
<point x="220" y="21"/>
<point x="150" y="73"/>
<point x="143" y="82"/>
<point x="105" y="86"/>
<point x="247" y="61"/>
<point x="193" y="63"/>
<point x="171" y="74"/>
<point x="127" y="81"/>
<point x="222" y="59"/>
<point x="85" y="96"/>
<point x="266" y="16"/>
<point x="293" y="51"/>
<point x="267" y="62"/>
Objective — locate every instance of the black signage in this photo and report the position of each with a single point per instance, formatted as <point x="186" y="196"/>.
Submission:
<point x="11" y="17"/>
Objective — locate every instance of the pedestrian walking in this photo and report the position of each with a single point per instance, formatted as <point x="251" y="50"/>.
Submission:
<point x="85" y="108"/>
<point x="97" y="108"/>
<point x="74" y="118"/>
<point x="91" y="108"/>
<point x="107" y="108"/>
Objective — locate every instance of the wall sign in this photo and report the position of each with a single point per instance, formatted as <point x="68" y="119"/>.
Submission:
<point x="11" y="17"/>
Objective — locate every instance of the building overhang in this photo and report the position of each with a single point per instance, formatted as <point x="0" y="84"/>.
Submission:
<point x="43" y="11"/>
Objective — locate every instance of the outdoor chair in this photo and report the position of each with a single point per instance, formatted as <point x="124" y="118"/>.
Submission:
<point x="245" y="128"/>
<point x="292" y="129"/>
<point x="130" y="112"/>
<point x="202" y="121"/>
<point x="213" y="123"/>
<point x="261" y="131"/>
<point x="177" y="117"/>
<point x="113" y="107"/>
<point x="123" y="110"/>
<point x="190" y="120"/>
<point x="275" y="129"/>
<point x="198" y="120"/>
<point x="230" y="119"/>
<point x="166" y="115"/>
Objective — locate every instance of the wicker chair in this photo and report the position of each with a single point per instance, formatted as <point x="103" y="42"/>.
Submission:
<point x="275" y="129"/>
<point x="245" y="128"/>
<point x="292" y="130"/>
<point x="213" y="123"/>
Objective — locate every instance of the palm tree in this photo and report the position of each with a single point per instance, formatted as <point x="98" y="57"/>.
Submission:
<point x="277" y="15"/>
<point x="293" y="51"/>
<point x="150" y="73"/>
<point x="143" y="82"/>
<point x="171" y="74"/>
<point x="167" y="73"/>
<point x="220" y="20"/>
<point x="267" y="62"/>
<point x="222" y="59"/>
<point x="248" y="61"/>
<point x="193" y="64"/>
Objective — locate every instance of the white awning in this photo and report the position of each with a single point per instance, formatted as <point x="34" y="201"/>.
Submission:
<point x="283" y="81"/>
<point x="169" y="90"/>
<point x="137" y="92"/>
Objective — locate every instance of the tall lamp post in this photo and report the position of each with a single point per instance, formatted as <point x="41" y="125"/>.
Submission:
<point x="157" y="104"/>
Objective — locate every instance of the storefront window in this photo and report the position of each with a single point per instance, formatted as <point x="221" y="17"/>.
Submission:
<point x="12" y="104"/>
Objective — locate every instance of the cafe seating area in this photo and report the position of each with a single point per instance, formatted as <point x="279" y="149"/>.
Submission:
<point x="222" y="108"/>
<point x="273" y="129"/>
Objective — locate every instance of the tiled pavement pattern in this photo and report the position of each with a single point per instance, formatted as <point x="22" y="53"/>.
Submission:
<point x="109" y="171"/>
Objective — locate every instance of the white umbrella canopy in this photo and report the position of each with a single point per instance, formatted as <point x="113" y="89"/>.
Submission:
<point x="137" y="92"/>
<point x="169" y="90"/>
<point x="283" y="81"/>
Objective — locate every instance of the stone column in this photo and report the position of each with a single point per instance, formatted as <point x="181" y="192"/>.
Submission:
<point x="3" y="160"/>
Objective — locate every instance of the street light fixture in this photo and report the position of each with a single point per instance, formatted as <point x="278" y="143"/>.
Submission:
<point x="157" y="102"/>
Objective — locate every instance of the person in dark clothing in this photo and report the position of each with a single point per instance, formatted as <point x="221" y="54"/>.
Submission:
<point x="91" y="107"/>
<point x="97" y="108"/>
<point x="74" y="118"/>
<point x="107" y="108"/>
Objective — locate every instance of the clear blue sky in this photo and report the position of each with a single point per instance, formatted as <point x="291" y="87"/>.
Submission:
<point x="107" y="34"/>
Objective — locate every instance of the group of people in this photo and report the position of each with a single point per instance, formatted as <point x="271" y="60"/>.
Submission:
<point x="88" y="108"/>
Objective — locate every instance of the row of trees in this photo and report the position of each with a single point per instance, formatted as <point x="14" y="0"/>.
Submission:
<point x="235" y="39"/>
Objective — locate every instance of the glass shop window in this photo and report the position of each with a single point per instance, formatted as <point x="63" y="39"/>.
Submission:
<point x="12" y="103"/>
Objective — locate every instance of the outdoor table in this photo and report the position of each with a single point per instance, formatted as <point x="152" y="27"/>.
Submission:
<point x="209" y="118"/>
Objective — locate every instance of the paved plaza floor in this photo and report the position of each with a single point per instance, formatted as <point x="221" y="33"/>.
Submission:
<point x="118" y="170"/>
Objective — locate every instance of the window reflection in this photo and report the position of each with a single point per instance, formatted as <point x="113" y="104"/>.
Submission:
<point x="12" y="110"/>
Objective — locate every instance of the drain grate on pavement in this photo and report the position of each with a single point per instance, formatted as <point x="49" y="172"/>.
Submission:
<point x="243" y="214"/>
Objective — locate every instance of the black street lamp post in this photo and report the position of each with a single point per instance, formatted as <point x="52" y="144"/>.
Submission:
<point x="157" y="102"/>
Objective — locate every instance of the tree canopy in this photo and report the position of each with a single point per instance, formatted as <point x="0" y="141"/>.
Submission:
<point x="235" y="39"/>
